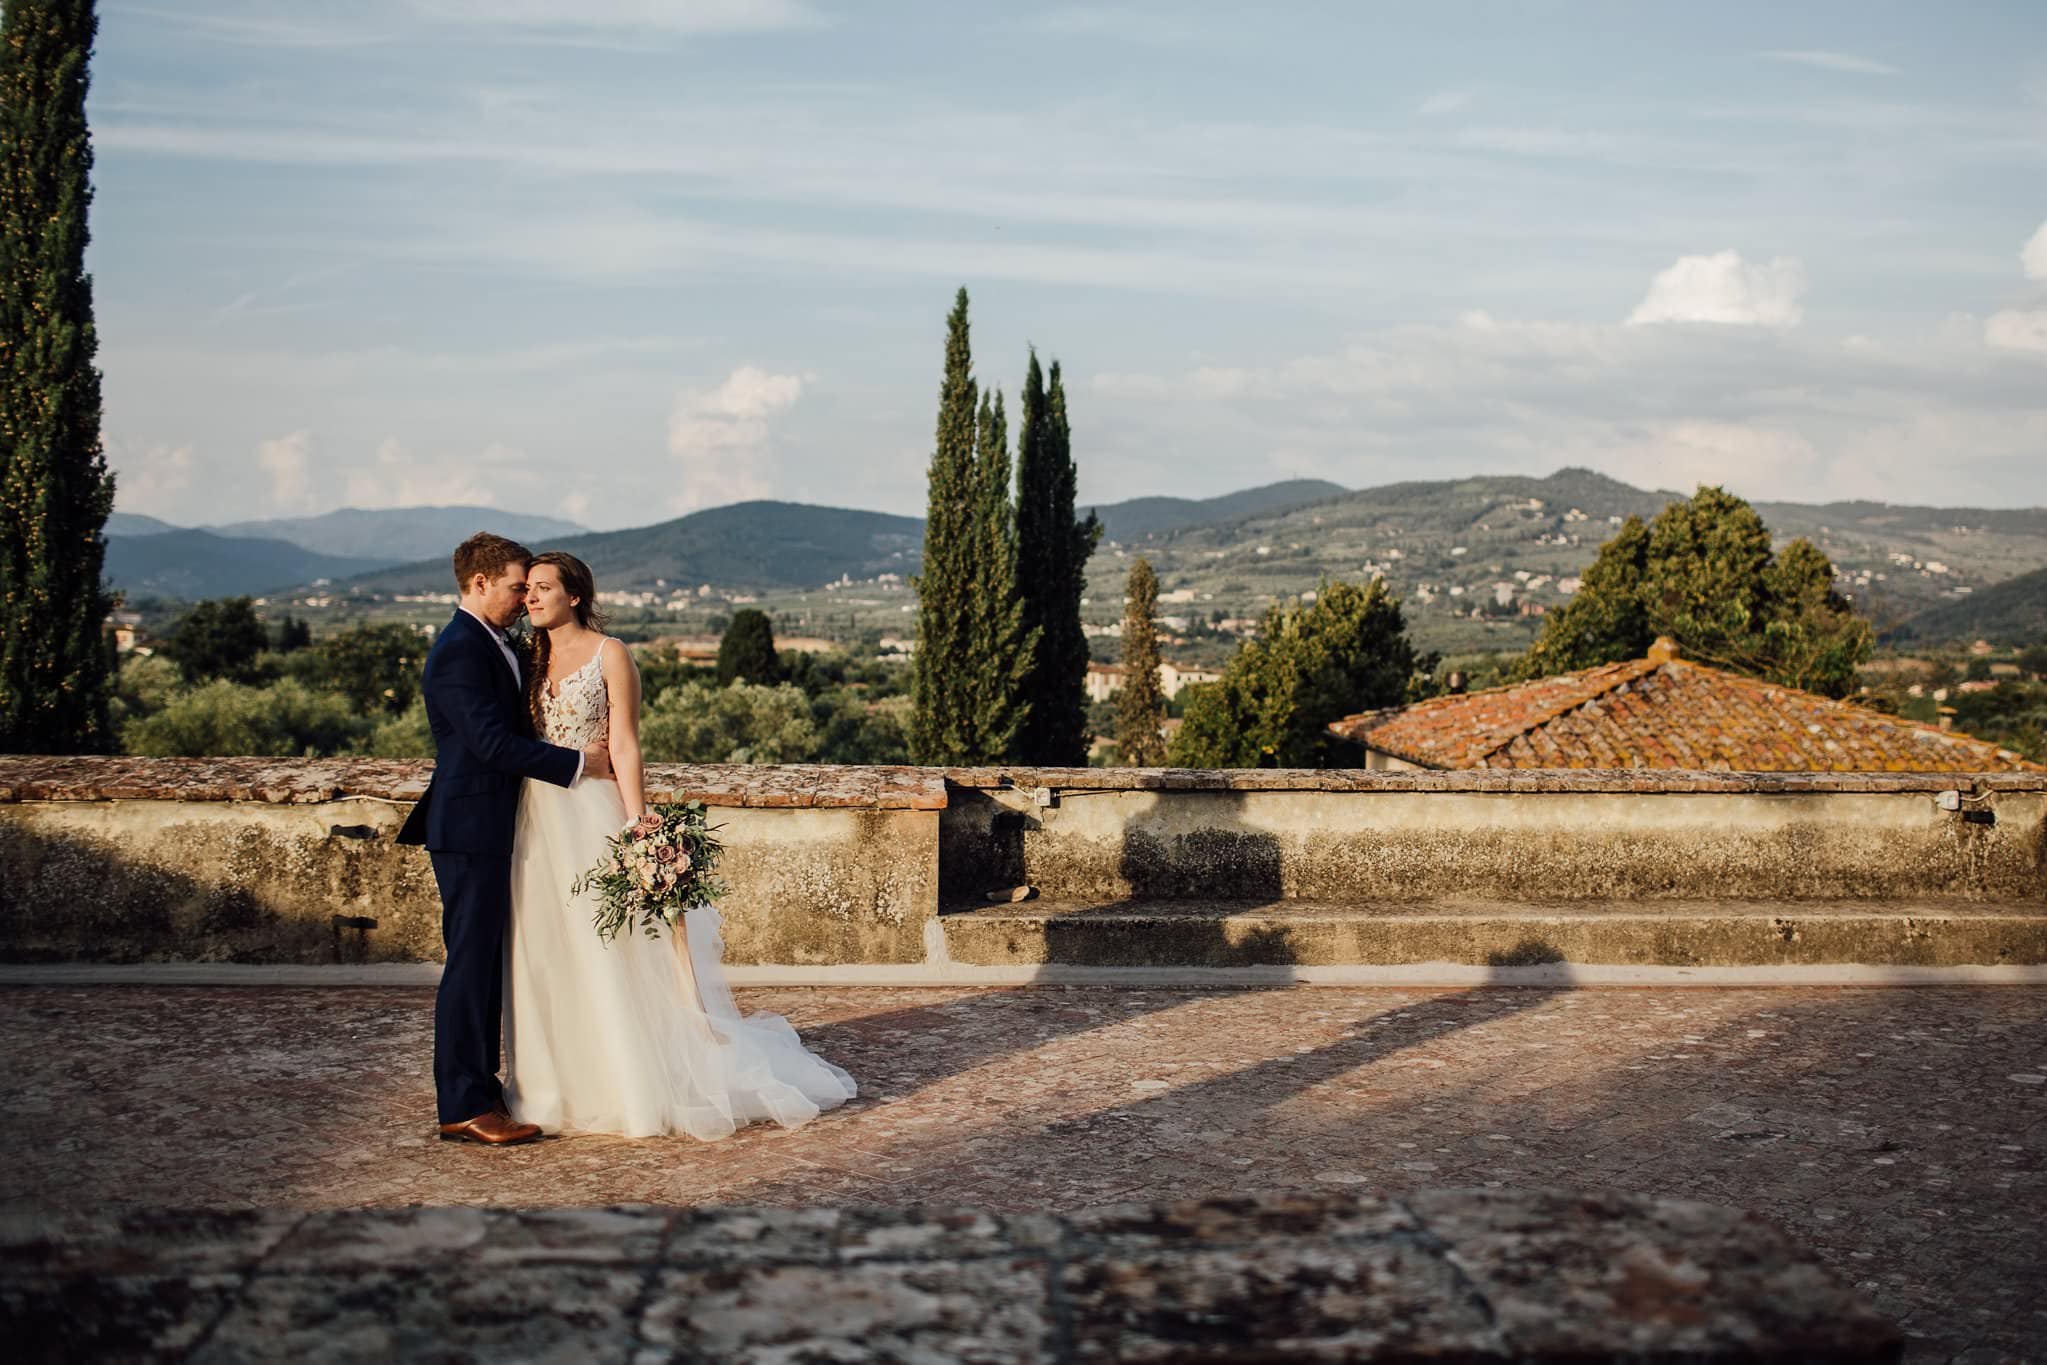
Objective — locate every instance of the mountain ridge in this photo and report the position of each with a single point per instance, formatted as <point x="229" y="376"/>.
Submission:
<point x="191" y="563"/>
<point x="1490" y="553"/>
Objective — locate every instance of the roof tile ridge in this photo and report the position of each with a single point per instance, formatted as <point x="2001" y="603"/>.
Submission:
<point x="1625" y="672"/>
<point x="1904" y="723"/>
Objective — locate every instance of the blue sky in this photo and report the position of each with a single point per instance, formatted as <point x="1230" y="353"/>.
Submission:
<point x="628" y="258"/>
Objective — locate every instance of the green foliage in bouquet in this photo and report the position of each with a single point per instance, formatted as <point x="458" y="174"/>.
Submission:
<point x="654" y="870"/>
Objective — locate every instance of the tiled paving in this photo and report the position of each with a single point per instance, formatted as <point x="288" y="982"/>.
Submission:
<point x="1902" y="1134"/>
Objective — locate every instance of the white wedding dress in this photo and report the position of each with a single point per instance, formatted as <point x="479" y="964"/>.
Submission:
<point x="637" y="1036"/>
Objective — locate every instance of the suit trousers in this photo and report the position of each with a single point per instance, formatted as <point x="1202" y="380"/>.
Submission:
<point x="476" y="907"/>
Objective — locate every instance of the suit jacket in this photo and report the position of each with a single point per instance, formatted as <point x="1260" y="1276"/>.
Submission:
<point x="483" y="745"/>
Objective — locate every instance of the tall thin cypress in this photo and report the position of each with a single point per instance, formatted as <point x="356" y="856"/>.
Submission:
<point x="1141" y="703"/>
<point x="1053" y="550"/>
<point x="55" y="490"/>
<point x="941" y="724"/>
<point x="1003" y="645"/>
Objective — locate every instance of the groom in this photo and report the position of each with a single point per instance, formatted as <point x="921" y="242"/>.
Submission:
<point x="476" y="706"/>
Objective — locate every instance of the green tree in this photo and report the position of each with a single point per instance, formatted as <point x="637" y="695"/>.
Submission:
<point x="972" y="650"/>
<point x="941" y="727"/>
<point x="406" y="735"/>
<point x="741" y="723"/>
<point x="1310" y="665"/>
<point x="1703" y="573"/>
<point x="1052" y="554"/>
<point x="1140" y="704"/>
<point x="145" y="685"/>
<point x="747" y="649"/>
<point x="859" y="730"/>
<point x="377" y="667"/>
<point x="293" y="634"/>
<point x="56" y="673"/>
<point x="1003" y="647"/>
<point x="227" y="719"/>
<point x="218" y="638"/>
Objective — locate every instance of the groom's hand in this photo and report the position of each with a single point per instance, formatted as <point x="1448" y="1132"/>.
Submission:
<point x="597" y="759"/>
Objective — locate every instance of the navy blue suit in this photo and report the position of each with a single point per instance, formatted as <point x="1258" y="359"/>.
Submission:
<point x="484" y="747"/>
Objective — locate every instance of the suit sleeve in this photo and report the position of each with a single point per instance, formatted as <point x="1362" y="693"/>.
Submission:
<point x="466" y="698"/>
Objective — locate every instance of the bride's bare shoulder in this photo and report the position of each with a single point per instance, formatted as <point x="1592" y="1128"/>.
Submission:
<point x="617" y="659"/>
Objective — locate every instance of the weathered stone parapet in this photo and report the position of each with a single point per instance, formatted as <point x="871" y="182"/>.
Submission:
<point x="253" y="860"/>
<point x="295" y="781"/>
<point x="279" y="861"/>
<point x="1641" y="781"/>
<point x="1532" y="841"/>
<point x="1440" y="1275"/>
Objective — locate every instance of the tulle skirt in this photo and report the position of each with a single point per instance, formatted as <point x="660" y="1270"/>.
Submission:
<point x="638" y="1036"/>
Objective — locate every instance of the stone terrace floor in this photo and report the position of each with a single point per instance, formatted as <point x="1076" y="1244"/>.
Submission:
<point x="1900" y="1133"/>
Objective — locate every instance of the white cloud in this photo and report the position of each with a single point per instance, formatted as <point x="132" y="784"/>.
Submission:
<point x="1445" y="102"/>
<point x="150" y="479"/>
<point x="288" y="460"/>
<point x="1775" y="413"/>
<point x="721" y="438"/>
<point x="1684" y="454"/>
<point x="2033" y="256"/>
<point x="1723" y="288"/>
<point x="2023" y="329"/>
<point x="1832" y="61"/>
<point x="2017" y="329"/>
<point x="394" y="477"/>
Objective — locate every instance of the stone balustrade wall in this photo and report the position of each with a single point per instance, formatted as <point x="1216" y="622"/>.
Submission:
<point x="281" y="861"/>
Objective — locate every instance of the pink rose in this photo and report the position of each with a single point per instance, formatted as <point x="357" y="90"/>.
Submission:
<point x="666" y="853"/>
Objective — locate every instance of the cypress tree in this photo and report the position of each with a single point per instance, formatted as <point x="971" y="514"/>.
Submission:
<point x="218" y="639"/>
<point x="1052" y="555"/>
<point x="55" y="490"/>
<point x="1140" y="704"/>
<point x="941" y="725"/>
<point x="747" y="649"/>
<point x="1002" y="645"/>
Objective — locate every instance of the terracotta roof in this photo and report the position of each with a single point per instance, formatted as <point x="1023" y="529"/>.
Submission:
<point x="1663" y="712"/>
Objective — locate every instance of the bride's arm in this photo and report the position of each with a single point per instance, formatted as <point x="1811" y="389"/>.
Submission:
<point x="622" y="686"/>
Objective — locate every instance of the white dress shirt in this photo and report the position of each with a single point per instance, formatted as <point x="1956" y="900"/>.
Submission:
<point x="512" y="662"/>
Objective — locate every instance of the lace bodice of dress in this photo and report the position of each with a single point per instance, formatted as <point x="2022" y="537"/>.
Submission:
<point x="581" y="714"/>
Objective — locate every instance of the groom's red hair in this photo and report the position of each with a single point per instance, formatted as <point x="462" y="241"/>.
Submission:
<point x="489" y="555"/>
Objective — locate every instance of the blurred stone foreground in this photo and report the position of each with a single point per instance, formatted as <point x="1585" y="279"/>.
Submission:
<point x="1470" y="1275"/>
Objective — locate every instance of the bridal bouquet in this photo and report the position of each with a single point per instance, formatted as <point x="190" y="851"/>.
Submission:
<point x="654" y="870"/>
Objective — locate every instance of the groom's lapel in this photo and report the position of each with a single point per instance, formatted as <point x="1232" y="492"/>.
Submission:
<point x="512" y="686"/>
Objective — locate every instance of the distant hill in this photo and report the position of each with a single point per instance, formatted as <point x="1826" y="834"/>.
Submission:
<point x="399" y="535"/>
<point x="748" y="544"/>
<point x="2013" y="612"/>
<point x="135" y="524"/>
<point x="195" y="564"/>
<point x="798" y="545"/>
<point x="1475" y="559"/>
<point x="1142" y="517"/>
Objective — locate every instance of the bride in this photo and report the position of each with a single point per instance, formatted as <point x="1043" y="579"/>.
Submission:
<point x="640" y="1035"/>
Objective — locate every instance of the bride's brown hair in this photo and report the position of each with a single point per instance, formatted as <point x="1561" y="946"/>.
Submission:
<point x="577" y="582"/>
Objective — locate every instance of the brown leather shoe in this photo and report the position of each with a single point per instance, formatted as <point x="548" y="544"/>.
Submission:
<point x="493" y="1129"/>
